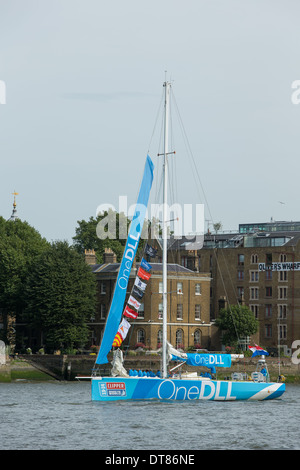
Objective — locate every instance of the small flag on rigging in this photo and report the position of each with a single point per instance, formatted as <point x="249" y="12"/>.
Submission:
<point x="137" y="292"/>
<point x="140" y="284"/>
<point x="150" y="251"/>
<point x="145" y="265"/>
<point x="143" y="274"/>
<point x="132" y="301"/>
<point x="122" y="333"/>
<point x="130" y="313"/>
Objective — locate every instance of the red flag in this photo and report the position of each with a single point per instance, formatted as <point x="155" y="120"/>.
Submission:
<point x="143" y="274"/>
<point x="130" y="313"/>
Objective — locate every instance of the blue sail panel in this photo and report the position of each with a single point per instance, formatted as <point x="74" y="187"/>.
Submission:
<point x="135" y="230"/>
<point x="206" y="360"/>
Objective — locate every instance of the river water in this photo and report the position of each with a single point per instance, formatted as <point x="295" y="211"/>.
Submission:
<point x="61" y="416"/>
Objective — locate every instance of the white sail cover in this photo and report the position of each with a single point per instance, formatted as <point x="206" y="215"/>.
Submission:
<point x="174" y="352"/>
<point x="117" y="365"/>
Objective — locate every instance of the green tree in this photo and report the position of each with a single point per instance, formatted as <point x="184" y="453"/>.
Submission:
<point x="113" y="235"/>
<point x="20" y="244"/>
<point x="60" y="297"/>
<point x="236" y="322"/>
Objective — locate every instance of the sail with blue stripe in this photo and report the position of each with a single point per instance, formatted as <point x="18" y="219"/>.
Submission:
<point x="135" y="230"/>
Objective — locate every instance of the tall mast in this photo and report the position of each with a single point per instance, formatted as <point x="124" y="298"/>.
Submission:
<point x="165" y="190"/>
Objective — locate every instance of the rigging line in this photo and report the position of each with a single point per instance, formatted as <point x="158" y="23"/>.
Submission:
<point x="226" y="294"/>
<point x="209" y="211"/>
<point x="132" y="325"/>
<point x="158" y="180"/>
<point x="156" y="120"/>
<point x="172" y="173"/>
<point x="190" y="153"/>
<point x="173" y="161"/>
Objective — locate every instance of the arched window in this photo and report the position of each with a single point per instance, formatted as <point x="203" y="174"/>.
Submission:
<point x="179" y="339"/>
<point x="141" y="336"/>
<point x="254" y="259"/>
<point x="197" y="338"/>
<point x="159" y="338"/>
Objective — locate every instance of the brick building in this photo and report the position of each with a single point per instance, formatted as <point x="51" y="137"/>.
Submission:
<point x="258" y="266"/>
<point x="189" y="322"/>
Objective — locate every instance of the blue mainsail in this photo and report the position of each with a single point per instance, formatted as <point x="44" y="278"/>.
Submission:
<point x="135" y="230"/>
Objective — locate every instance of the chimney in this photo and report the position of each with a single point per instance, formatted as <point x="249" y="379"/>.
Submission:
<point x="90" y="257"/>
<point x="109" y="256"/>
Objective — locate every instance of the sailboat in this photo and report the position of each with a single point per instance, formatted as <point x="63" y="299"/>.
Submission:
<point x="166" y="384"/>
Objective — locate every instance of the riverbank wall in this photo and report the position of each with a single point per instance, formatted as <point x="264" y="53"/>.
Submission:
<point x="68" y="367"/>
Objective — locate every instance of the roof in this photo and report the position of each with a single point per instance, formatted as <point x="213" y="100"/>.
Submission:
<point x="236" y="240"/>
<point x="156" y="267"/>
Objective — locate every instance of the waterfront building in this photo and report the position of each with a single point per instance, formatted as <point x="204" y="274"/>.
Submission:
<point x="259" y="266"/>
<point x="189" y="324"/>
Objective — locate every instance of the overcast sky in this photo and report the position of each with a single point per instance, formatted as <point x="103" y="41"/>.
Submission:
<point x="83" y="86"/>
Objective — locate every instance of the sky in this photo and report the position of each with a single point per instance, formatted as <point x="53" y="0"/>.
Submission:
<point x="84" y="81"/>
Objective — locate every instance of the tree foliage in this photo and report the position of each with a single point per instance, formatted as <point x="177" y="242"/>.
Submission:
<point x="107" y="230"/>
<point x="60" y="297"/>
<point x="20" y="245"/>
<point x="236" y="322"/>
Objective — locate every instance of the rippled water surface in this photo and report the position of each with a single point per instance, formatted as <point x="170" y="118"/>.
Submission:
<point x="61" y="416"/>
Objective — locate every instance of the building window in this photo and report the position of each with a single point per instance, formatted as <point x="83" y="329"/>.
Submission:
<point x="254" y="276"/>
<point x="282" y="311"/>
<point x="197" y="312"/>
<point x="268" y="331"/>
<point x="282" y="292"/>
<point x="141" y="311"/>
<point x="159" y="338"/>
<point x="160" y="288"/>
<point x="179" y="288"/>
<point x="179" y="312"/>
<point x="254" y="293"/>
<point x="102" y="311"/>
<point x="102" y="288"/>
<point x="282" y="331"/>
<point x="184" y="261"/>
<point x="282" y="276"/>
<point x="179" y="339"/>
<point x="268" y="259"/>
<point x="268" y="311"/>
<point x="240" y="275"/>
<point x="268" y="291"/>
<point x="254" y="259"/>
<point x="282" y="258"/>
<point x="254" y="308"/>
<point x="197" y="338"/>
<point x="197" y="289"/>
<point x="141" y="336"/>
<point x="269" y="273"/>
<point x="160" y="311"/>
<point x="241" y="260"/>
<point x="240" y="292"/>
